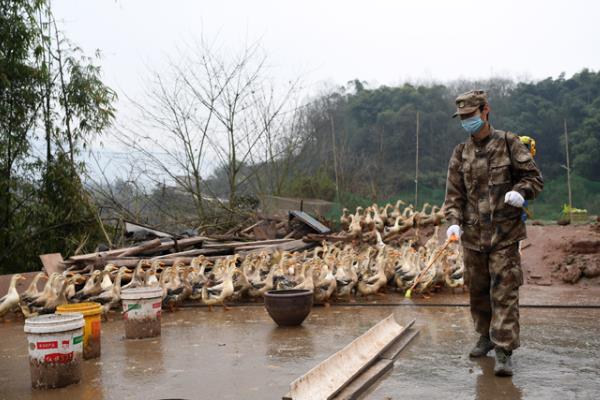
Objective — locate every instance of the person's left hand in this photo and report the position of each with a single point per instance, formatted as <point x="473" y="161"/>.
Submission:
<point x="514" y="199"/>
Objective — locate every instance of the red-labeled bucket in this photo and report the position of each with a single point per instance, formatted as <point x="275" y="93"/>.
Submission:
<point x="55" y="349"/>
<point x="141" y="311"/>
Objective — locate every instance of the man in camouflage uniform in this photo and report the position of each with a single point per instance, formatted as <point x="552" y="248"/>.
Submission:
<point x="489" y="178"/>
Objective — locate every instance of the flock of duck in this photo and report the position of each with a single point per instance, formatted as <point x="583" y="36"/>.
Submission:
<point x="337" y="271"/>
<point x="390" y="220"/>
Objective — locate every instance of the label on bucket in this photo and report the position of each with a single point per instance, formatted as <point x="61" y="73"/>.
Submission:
<point x="55" y="347"/>
<point x="58" y="358"/>
<point x="141" y="309"/>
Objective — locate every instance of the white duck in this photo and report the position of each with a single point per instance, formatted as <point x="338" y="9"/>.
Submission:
<point x="11" y="300"/>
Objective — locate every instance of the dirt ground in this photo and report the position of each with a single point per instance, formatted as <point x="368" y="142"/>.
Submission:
<point x="562" y="255"/>
<point x="242" y="354"/>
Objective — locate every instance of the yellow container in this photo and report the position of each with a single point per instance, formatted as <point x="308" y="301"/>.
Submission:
<point x="91" y="331"/>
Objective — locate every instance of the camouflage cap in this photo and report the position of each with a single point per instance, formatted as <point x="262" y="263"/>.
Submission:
<point x="470" y="101"/>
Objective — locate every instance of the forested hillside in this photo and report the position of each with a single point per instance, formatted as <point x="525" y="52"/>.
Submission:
<point x="373" y="132"/>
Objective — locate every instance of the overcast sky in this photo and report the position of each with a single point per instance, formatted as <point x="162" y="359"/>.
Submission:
<point x="382" y="42"/>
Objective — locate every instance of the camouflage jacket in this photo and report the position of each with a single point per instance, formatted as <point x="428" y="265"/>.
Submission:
<point x="479" y="175"/>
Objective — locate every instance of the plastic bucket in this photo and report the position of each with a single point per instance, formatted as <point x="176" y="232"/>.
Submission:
<point x="141" y="311"/>
<point x="91" y="331"/>
<point x="55" y="349"/>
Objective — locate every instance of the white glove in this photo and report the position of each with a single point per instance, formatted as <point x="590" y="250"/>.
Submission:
<point x="453" y="230"/>
<point x="514" y="199"/>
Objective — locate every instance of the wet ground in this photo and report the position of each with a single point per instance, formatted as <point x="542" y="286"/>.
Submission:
<point x="242" y="354"/>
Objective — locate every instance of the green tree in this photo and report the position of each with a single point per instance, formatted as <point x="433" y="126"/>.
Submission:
<point x="46" y="86"/>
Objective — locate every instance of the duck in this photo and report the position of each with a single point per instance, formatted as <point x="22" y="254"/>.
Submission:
<point x="285" y="272"/>
<point x="373" y="283"/>
<point x="345" y="219"/>
<point x="454" y="268"/>
<point x="176" y="297"/>
<point x="92" y="287"/>
<point x="432" y="243"/>
<point x="76" y="279"/>
<point x="358" y="215"/>
<point x="150" y="278"/>
<point x="172" y="284"/>
<point x="400" y="226"/>
<point x="241" y="285"/>
<point x="137" y="279"/>
<point x="369" y="221"/>
<point x="11" y="300"/>
<point x="435" y="217"/>
<point x="407" y="269"/>
<point x="396" y="212"/>
<point x="325" y="286"/>
<point x="106" y="281"/>
<point x="259" y="288"/>
<point x="214" y="295"/>
<point x="419" y="216"/>
<point x="112" y="296"/>
<point x="32" y="291"/>
<point x="58" y="299"/>
<point x="377" y="220"/>
<point x="346" y="276"/>
<point x="307" y="282"/>
<point x="355" y="228"/>
<point x="48" y="291"/>
<point x="384" y="214"/>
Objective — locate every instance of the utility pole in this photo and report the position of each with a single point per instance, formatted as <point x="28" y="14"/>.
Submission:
<point x="417" y="167"/>
<point x="335" y="166"/>
<point x="568" y="167"/>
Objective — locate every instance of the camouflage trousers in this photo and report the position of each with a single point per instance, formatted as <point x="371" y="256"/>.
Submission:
<point x="494" y="279"/>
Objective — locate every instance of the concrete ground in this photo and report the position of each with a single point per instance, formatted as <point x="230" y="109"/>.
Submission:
<point x="242" y="354"/>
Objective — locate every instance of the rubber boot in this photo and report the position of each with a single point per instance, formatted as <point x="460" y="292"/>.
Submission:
<point x="483" y="346"/>
<point x="503" y="365"/>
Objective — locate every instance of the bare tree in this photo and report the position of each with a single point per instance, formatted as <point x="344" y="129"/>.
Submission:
<point x="210" y="112"/>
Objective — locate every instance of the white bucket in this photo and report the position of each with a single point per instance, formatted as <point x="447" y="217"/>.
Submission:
<point x="142" y="312"/>
<point x="55" y="349"/>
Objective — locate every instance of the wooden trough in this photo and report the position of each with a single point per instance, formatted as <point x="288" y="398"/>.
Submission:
<point x="352" y="370"/>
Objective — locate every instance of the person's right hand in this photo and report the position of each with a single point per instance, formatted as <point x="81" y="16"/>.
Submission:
<point x="453" y="230"/>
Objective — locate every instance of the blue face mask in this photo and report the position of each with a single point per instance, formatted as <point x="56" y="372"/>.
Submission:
<point x="472" y="125"/>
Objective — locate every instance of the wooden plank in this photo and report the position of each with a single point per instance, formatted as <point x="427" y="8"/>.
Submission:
<point x="52" y="262"/>
<point x="131" y="227"/>
<point x="239" y="244"/>
<point x="248" y="229"/>
<point x="309" y="220"/>
<point x="332" y="375"/>
<point x="117" y="252"/>
<point x="141" y="248"/>
<point x="193" y="252"/>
